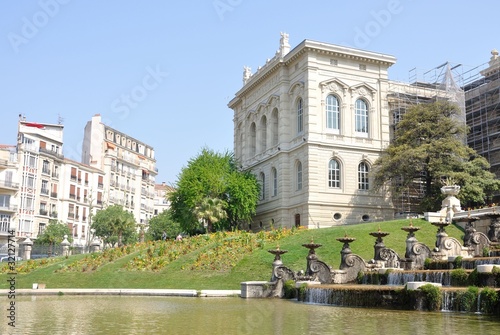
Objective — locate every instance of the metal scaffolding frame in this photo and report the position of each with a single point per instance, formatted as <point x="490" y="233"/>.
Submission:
<point x="433" y="85"/>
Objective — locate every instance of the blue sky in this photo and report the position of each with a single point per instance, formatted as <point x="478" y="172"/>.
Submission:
<point x="164" y="71"/>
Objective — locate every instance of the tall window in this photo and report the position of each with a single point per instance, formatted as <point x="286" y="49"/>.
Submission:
<point x="262" y="186"/>
<point x="275" y="181"/>
<point x="299" y="176"/>
<point x="363" y="183"/>
<point x="334" y="174"/>
<point x="332" y="112"/>
<point x="300" y="116"/>
<point x="361" y="114"/>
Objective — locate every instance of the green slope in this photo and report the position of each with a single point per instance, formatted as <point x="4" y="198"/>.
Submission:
<point x="219" y="261"/>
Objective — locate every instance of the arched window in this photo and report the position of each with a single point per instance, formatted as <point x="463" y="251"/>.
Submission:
<point x="275" y="181"/>
<point x="262" y="186"/>
<point x="300" y="116"/>
<point x="334" y="174"/>
<point x="299" y="176"/>
<point x="361" y="114"/>
<point x="363" y="183"/>
<point x="332" y="112"/>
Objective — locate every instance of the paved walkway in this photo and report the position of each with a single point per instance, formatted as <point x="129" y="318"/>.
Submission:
<point x="129" y="292"/>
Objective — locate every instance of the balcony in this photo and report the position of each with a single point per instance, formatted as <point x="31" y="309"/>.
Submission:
<point x="55" y="175"/>
<point x="72" y="178"/>
<point x="53" y="194"/>
<point x="72" y="196"/>
<point x="10" y="208"/>
<point x="52" y="153"/>
<point x="44" y="191"/>
<point x="71" y="216"/>
<point x="43" y="212"/>
<point x="53" y="214"/>
<point x="4" y="163"/>
<point x="46" y="171"/>
<point x="9" y="184"/>
<point x="100" y="186"/>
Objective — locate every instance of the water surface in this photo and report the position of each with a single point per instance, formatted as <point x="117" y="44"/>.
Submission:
<point x="207" y="316"/>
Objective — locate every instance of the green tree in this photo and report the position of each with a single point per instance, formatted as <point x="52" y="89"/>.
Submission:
<point x="114" y="225"/>
<point x="211" y="211"/>
<point x="216" y="176"/>
<point x="428" y="147"/>
<point x="162" y="223"/>
<point x="53" y="234"/>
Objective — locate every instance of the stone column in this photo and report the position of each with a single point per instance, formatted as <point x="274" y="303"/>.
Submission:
<point x="65" y="246"/>
<point x="27" y="248"/>
<point x="95" y="246"/>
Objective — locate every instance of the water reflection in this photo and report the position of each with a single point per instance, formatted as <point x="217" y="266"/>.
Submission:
<point x="170" y="315"/>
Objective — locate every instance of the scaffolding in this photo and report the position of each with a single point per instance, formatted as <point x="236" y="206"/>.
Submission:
<point x="483" y="111"/>
<point x="437" y="84"/>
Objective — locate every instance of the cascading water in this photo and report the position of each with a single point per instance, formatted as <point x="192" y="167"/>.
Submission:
<point x="447" y="301"/>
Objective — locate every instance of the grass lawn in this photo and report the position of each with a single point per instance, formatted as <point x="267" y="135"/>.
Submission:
<point x="219" y="261"/>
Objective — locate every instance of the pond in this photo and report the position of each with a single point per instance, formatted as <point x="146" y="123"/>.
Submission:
<point x="182" y="315"/>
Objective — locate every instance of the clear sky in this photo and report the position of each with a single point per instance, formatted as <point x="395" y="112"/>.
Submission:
<point x="163" y="71"/>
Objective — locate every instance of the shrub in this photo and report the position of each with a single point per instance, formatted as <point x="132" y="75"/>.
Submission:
<point x="467" y="301"/>
<point x="457" y="263"/>
<point x="473" y="278"/>
<point x="302" y="292"/>
<point x="432" y="297"/>
<point x="459" y="277"/>
<point x="289" y="289"/>
<point x="489" y="300"/>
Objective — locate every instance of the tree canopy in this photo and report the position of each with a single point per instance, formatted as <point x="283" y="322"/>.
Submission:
<point x="162" y="223"/>
<point x="114" y="225"/>
<point x="429" y="147"/>
<point x="53" y="234"/>
<point x="213" y="175"/>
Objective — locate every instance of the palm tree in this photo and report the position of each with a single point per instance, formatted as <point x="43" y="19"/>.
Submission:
<point x="211" y="210"/>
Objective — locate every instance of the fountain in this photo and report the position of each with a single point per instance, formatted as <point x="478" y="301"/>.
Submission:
<point x="317" y="270"/>
<point x="379" y="243"/>
<point x="494" y="228"/>
<point x="416" y="252"/>
<point x="441" y="232"/>
<point x="346" y="250"/>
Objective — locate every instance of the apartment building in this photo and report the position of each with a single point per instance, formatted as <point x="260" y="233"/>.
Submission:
<point x="39" y="153"/>
<point x="129" y="168"/>
<point x="81" y="196"/>
<point x="161" y="202"/>
<point x="9" y="188"/>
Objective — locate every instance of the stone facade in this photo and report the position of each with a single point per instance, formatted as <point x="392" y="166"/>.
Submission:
<point x="309" y="124"/>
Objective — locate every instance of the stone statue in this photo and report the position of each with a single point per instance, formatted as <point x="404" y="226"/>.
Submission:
<point x="247" y="73"/>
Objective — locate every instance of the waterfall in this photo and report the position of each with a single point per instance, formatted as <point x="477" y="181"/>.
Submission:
<point x="478" y="303"/>
<point x="447" y="304"/>
<point x="317" y="296"/>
